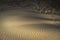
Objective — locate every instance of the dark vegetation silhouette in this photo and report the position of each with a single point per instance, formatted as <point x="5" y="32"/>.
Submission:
<point x="42" y="6"/>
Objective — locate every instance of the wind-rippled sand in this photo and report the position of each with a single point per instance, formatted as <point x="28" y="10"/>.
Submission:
<point x="20" y="24"/>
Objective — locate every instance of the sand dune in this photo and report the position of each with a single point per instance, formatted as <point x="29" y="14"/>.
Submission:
<point x="19" y="24"/>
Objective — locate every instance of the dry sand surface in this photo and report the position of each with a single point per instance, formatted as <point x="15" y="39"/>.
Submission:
<point x="19" y="24"/>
